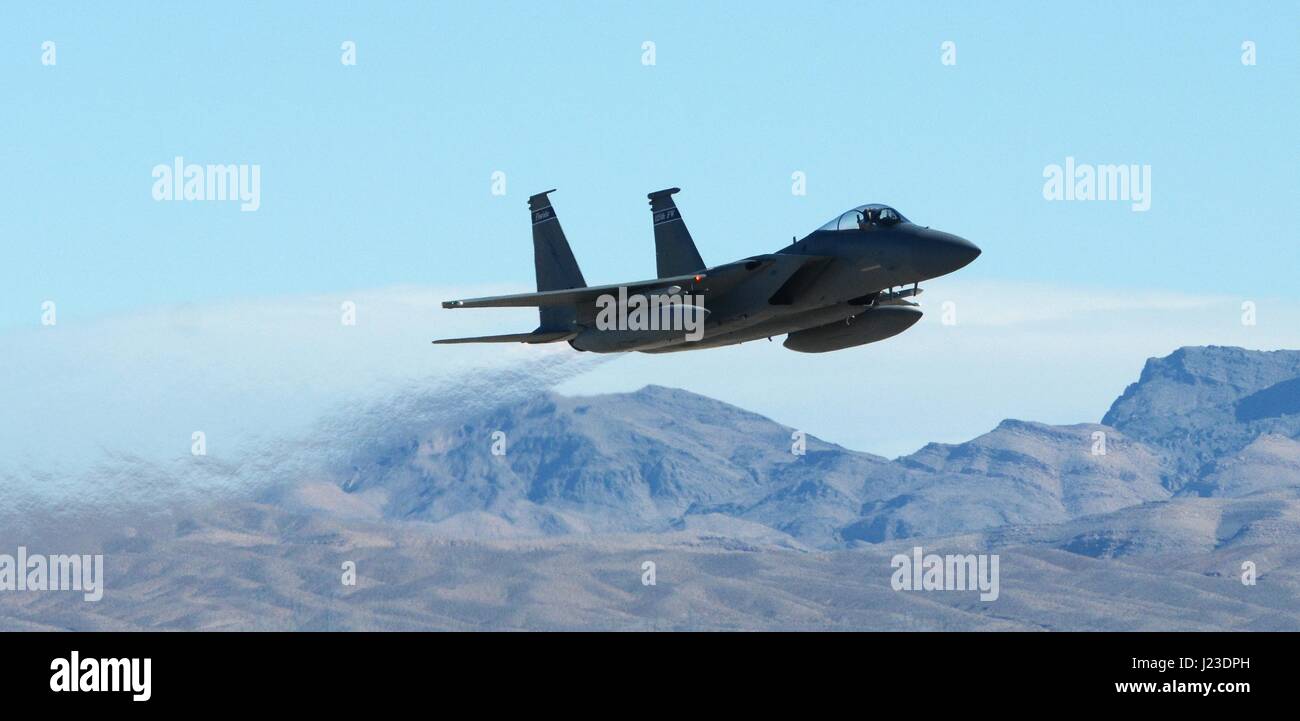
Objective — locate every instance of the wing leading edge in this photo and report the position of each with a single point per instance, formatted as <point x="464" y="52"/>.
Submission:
<point x="571" y="296"/>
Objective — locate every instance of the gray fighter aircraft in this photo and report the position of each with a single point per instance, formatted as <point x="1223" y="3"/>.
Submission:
<point x="833" y="289"/>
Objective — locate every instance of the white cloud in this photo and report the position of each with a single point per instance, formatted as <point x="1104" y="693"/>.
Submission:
<point x="104" y="410"/>
<point x="1031" y="351"/>
<point x="1005" y="304"/>
<point x="274" y="384"/>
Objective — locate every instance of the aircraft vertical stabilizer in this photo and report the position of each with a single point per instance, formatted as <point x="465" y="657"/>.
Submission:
<point x="675" y="252"/>
<point x="557" y="269"/>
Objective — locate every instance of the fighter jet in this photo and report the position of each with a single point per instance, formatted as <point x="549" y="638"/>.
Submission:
<point x="842" y="285"/>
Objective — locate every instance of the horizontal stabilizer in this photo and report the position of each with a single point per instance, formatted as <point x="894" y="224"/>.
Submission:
<point x="533" y="337"/>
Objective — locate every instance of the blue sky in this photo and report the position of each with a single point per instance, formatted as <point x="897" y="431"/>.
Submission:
<point x="379" y="175"/>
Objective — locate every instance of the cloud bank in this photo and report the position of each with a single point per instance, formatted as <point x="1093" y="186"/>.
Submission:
<point x="105" y="412"/>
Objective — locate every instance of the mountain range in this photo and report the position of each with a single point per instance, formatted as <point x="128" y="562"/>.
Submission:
<point x="1201" y="422"/>
<point x="1199" y="479"/>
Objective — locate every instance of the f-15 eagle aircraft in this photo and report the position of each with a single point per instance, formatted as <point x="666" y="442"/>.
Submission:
<point x="833" y="289"/>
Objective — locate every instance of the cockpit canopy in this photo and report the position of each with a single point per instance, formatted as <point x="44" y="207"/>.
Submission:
<point x="866" y="216"/>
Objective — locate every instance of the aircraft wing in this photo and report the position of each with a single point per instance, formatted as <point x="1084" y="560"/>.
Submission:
<point x="574" y="296"/>
<point x="712" y="281"/>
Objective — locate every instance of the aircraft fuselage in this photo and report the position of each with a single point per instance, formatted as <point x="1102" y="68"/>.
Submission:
<point x="856" y="265"/>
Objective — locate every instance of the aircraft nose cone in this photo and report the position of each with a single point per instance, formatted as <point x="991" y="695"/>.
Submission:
<point x="945" y="253"/>
<point x="963" y="251"/>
